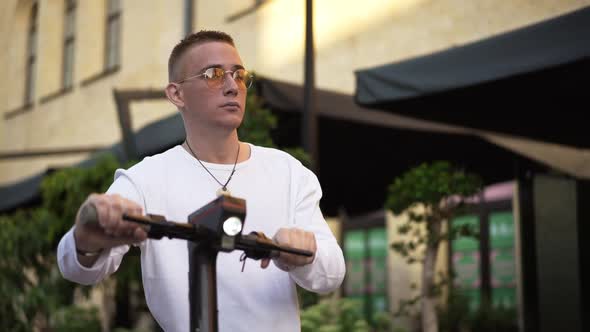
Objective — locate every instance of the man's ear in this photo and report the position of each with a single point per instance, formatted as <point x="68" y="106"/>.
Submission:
<point x="174" y="94"/>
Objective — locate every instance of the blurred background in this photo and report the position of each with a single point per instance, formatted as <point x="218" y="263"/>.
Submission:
<point x="369" y="90"/>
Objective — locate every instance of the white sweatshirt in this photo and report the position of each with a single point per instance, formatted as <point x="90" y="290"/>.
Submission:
<point x="279" y="192"/>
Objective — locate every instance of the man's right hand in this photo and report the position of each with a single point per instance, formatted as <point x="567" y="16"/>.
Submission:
<point x="109" y="230"/>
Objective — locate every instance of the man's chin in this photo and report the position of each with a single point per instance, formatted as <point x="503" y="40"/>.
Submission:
<point x="230" y="124"/>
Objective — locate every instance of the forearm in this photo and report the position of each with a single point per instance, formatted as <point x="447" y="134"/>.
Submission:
<point x="326" y="273"/>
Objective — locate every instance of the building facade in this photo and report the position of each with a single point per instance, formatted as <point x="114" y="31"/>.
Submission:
<point x="62" y="59"/>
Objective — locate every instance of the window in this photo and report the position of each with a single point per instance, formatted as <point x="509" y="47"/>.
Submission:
<point x="365" y="251"/>
<point x="466" y="262"/>
<point x="69" y="37"/>
<point x="113" y="35"/>
<point x="502" y="261"/>
<point x="31" y="57"/>
<point x="487" y="263"/>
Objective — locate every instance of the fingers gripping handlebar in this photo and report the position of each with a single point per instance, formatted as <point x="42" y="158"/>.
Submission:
<point x="205" y="226"/>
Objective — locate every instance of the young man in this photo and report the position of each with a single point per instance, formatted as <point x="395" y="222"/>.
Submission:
<point x="208" y="84"/>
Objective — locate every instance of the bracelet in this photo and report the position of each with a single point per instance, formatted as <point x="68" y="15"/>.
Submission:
<point x="88" y="253"/>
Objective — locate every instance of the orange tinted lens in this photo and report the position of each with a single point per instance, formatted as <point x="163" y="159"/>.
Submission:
<point x="214" y="76"/>
<point x="208" y="73"/>
<point x="242" y="76"/>
<point x="239" y="74"/>
<point x="217" y="73"/>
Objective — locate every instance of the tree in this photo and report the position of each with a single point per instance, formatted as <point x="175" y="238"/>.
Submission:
<point x="439" y="191"/>
<point x="258" y="124"/>
<point x="33" y="292"/>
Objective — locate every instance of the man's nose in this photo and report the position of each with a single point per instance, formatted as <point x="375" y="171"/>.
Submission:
<point x="230" y="86"/>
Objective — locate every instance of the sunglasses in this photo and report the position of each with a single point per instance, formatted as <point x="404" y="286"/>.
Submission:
<point x="215" y="77"/>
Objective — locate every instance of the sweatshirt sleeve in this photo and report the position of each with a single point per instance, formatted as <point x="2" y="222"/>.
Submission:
<point x="109" y="260"/>
<point x="326" y="272"/>
<point x="71" y="269"/>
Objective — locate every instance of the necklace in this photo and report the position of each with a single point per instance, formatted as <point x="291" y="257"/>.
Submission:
<point x="223" y="190"/>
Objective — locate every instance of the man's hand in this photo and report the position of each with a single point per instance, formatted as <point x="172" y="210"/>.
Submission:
<point x="295" y="238"/>
<point x="111" y="230"/>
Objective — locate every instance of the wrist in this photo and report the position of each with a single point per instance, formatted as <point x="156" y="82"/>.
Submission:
<point x="88" y="253"/>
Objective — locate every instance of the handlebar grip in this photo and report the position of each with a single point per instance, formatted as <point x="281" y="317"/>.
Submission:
<point x="295" y="251"/>
<point x="257" y="245"/>
<point x="262" y="239"/>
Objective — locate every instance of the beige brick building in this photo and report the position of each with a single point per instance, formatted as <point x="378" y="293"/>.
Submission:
<point x="127" y="44"/>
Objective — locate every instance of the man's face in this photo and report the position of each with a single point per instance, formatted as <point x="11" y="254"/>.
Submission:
<point x="209" y="105"/>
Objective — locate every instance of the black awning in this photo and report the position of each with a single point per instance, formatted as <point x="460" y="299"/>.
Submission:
<point x="502" y="84"/>
<point x="555" y="42"/>
<point x="20" y="194"/>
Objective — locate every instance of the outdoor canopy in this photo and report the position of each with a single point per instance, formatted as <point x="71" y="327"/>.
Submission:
<point x="501" y="84"/>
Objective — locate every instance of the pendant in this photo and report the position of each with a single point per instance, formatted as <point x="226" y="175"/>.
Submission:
<point x="223" y="192"/>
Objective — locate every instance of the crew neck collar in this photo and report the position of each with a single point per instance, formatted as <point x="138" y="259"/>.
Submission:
<point x="187" y="155"/>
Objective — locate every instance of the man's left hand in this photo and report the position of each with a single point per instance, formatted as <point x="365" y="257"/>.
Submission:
<point x="295" y="238"/>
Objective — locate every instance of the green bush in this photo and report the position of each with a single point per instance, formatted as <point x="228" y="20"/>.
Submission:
<point x="456" y="316"/>
<point x="75" y="319"/>
<point x="341" y="315"/>
<point x="306" y="298"/>
<point x="30" y="284"/>
<point x="257" y="124"/>
<point x="33" y="291"/>
<point x="491" y="319"/>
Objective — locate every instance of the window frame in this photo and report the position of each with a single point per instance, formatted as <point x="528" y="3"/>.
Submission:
<point x="374" y="220"/>
<point x="68" y="57"/>
<point x="112" y="46"/>
<point x="31" y="55"/>
<point x="483" y="211"/>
